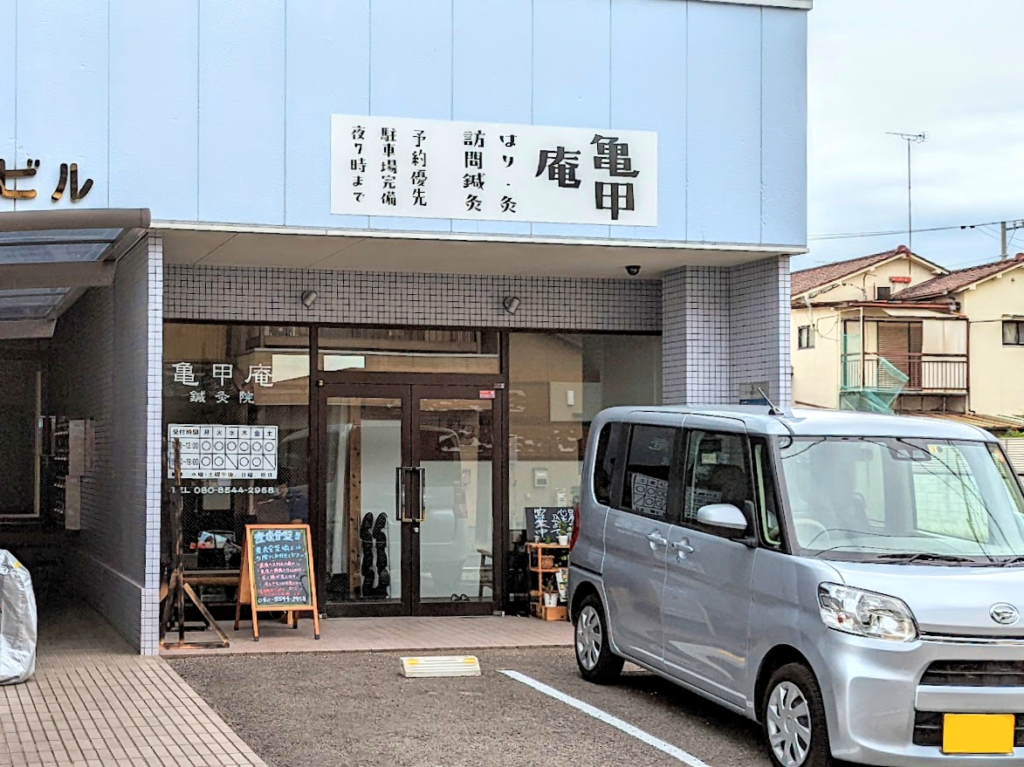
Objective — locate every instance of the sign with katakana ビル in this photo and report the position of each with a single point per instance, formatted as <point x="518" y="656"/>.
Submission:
<point x="390" y="166"/>
<point x="212" y="451"/>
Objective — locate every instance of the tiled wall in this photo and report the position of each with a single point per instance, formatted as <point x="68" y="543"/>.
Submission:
<point x="253" y="294"/>
<point x="105" y="365"/>
<point x="759" y="326"/>
<point x="724" y="327"/>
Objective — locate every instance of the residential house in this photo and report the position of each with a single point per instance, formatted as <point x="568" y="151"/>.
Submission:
<point x="991" y="297"/>
<point x="895" y="332"/>
<point x="857" y="346"/>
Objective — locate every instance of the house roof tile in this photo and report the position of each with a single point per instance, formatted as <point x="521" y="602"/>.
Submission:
<point x="809" y="279"/>
<point x="958" y="280"/>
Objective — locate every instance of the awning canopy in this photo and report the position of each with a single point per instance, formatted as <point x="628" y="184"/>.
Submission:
<point x="48" y="258"/>
<point x="921" y="314"/>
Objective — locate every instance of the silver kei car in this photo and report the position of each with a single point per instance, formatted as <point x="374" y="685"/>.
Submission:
<point x="852" y="582"/>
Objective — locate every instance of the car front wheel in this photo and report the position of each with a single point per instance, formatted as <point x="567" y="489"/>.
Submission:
<point x="793" y="714"/>
<point x="594" y="656"/>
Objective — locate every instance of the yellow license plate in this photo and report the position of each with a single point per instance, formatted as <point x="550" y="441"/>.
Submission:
<point x="978" y="733"/>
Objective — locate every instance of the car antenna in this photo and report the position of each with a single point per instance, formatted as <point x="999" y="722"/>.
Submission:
<point x="772" y="409"/>
<point x="775" y="411"/>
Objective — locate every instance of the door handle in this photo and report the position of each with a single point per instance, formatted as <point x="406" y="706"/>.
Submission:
<point x="421" y="517"/>
<point x="399" y="493"/>
<point x="682" y="548"/>
<point x="657" y="539"/>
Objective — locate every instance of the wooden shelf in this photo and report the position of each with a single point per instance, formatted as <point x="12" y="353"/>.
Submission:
<point x="536" y="553"/>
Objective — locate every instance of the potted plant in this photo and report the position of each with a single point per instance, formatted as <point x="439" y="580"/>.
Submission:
<point x="563" y="532"/>
<point x="550" y="594"/>
<point x="562" y="578"/>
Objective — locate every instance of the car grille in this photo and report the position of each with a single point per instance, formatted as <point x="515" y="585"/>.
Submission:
<point x="928" y="729"/>
<point x="969" y="673"/>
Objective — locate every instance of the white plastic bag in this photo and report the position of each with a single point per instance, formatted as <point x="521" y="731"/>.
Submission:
<point x="18" y="621"/>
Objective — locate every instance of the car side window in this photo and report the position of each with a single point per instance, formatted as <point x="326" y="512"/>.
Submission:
<point x="645" y="489"/>
<point x="717" y="471"/>
<point x="764" y="484"/>
<point x="610" y="451"/>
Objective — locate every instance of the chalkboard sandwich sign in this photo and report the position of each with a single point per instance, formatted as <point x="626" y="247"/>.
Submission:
<point x="277" y="574"/>
<point x="546" y="524"/>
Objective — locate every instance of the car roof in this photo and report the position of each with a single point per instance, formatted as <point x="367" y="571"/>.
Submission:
<point x="818" y="423"/>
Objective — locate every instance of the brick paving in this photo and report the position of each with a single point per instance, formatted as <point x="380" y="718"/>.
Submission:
<point x="386" y="635"/>
<point x="94" y="701"/>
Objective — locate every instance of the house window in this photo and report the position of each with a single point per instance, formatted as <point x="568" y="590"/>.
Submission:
<point x="805" y="337"/>
<point x="1013" y="333"/>
<point x="883" y="293"/>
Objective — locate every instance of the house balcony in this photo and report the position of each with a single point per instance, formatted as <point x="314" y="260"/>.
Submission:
<point x="911" y="373"/>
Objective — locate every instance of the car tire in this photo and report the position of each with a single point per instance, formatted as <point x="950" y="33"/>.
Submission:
<point x="594" y="656"/>
<point x="793" y="717"/>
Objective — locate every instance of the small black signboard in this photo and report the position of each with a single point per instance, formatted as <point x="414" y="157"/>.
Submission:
<point x="281" y="568"/>
<point x="547" y="522"/>
<point x="277" y="573"/>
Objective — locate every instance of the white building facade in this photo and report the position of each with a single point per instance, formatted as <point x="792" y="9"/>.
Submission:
<point x="410" y="247"/>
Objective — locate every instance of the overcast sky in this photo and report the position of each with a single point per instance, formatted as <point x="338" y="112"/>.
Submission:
<point x="951" y="68"/>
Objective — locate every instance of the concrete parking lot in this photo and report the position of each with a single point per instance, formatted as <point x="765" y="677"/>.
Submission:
<point x="356" y="709"/>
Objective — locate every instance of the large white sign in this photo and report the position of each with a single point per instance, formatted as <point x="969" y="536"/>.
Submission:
<point x="211" y="451"/>
<point x="389" y="166"/>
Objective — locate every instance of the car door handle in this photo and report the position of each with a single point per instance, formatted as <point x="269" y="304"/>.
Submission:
<point x="682" y="548"/>
<point x="657" y="539"/>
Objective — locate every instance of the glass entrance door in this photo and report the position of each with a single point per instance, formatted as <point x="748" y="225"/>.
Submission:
<point x="409" y="485"/>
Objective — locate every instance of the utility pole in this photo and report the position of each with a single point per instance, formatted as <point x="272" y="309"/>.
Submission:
<point x="1004" y="227"/>
<point x="910" y="138"/>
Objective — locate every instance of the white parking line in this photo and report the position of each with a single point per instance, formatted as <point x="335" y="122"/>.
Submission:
<point x="614" y="721"/>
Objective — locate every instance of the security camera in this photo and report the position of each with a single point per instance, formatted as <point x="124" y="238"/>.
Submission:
<point x="633" y="270"/>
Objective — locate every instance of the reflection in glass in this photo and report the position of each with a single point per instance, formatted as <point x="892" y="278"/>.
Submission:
<point x="558" y="382"/>
<point x="456" y="443"/>
<point x="401" y="350"/>
<point x="238" y="376"/>
<point x="364" y="538"/>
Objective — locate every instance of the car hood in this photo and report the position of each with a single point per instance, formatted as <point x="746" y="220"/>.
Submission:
<point x="953" y="601"/>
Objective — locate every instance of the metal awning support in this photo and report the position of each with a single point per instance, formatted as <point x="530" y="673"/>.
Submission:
<point x="90" y="274"/>
<point x="27" y="329"/>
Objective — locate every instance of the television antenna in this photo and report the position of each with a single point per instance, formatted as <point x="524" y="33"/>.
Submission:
<point x="911" y="139"/>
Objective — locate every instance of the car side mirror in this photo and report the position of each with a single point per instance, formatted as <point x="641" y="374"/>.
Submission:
<point x="724" y="517"/>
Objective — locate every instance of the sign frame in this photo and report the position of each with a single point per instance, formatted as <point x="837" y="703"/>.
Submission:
<point x="247" y="594"/>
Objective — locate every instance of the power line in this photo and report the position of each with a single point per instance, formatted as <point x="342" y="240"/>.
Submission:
<point x="890" y="233"/>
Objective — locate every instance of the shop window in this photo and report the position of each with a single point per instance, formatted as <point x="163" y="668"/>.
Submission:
<point x="558" y="383"/>
<point x="405" y="350"/>
<point x="1013" y="333"/>
<point x="236" y="400"/>
<point x="805" y="337"/>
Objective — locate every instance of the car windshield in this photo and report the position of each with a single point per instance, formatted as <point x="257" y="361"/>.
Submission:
<point x="918" y="501"/>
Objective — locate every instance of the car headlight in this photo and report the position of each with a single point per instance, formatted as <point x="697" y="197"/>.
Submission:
<point x="865" y="613"/>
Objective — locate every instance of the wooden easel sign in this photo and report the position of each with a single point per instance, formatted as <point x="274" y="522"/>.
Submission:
<point x="277" y="574"/>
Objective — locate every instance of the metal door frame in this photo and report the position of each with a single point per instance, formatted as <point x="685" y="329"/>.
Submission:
<point x="410" y="394"/>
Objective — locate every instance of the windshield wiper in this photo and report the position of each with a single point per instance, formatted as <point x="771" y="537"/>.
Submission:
<point x="926" y="556"/>
<point x="1012" y="561"/>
